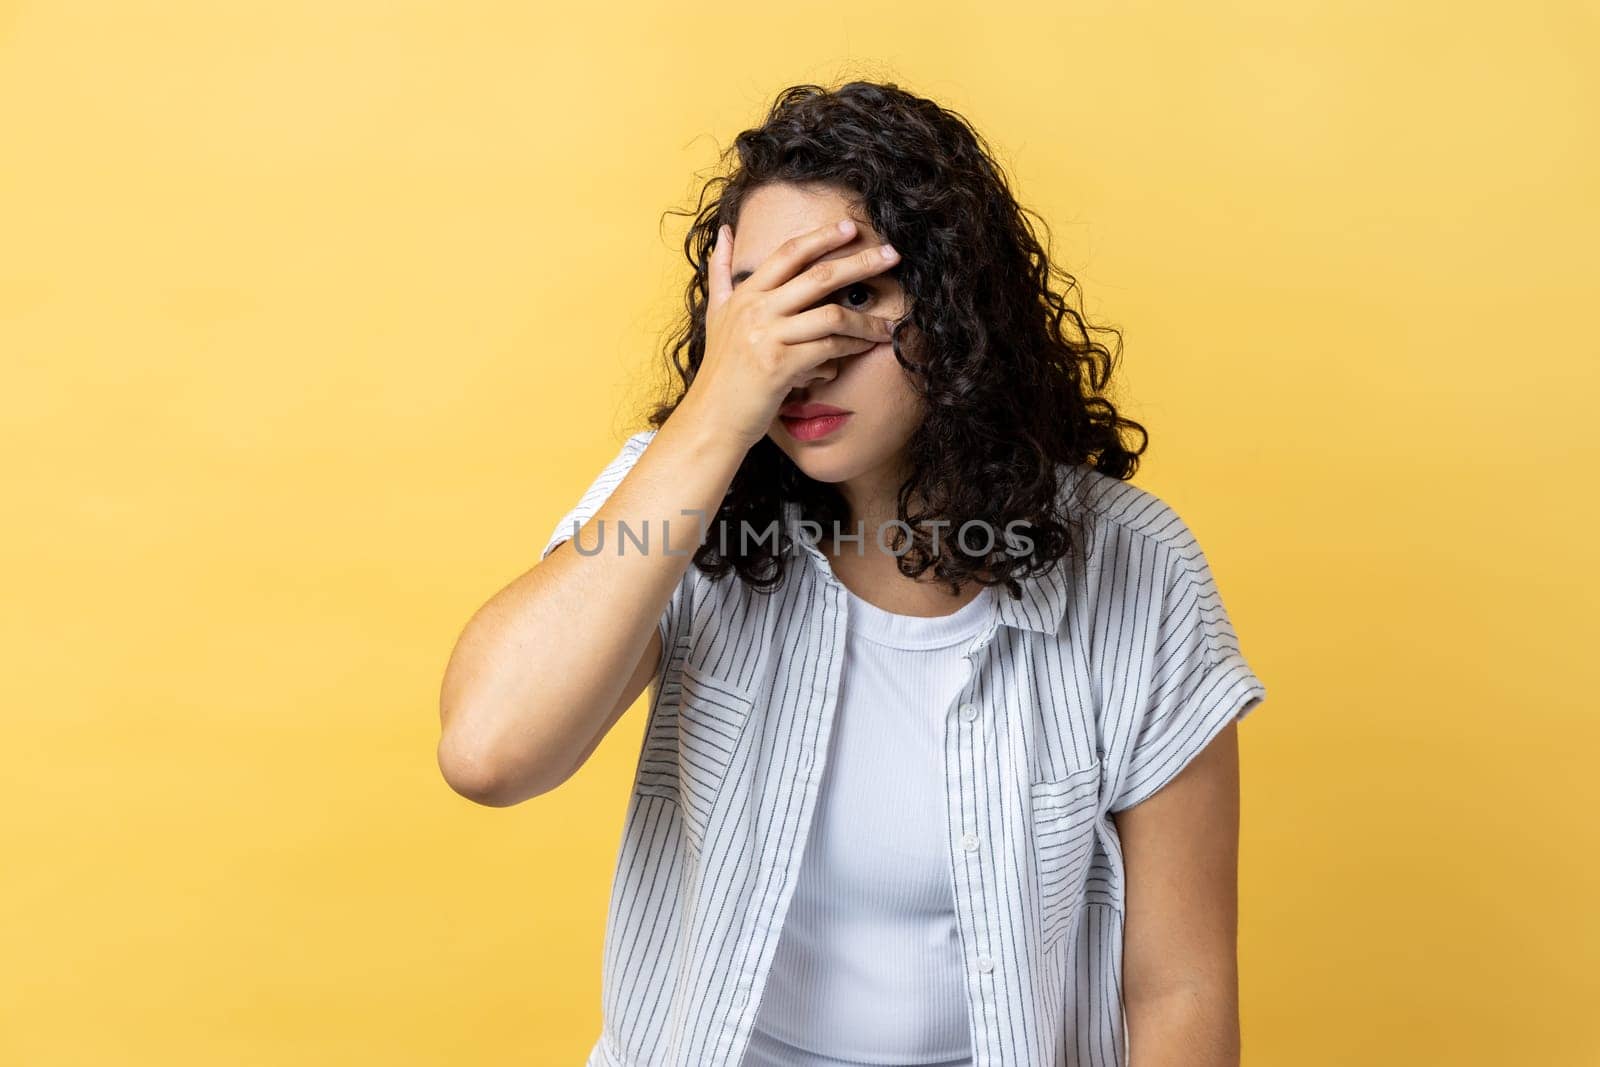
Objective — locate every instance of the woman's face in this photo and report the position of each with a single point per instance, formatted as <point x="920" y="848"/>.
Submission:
<point x="867" y="450"/>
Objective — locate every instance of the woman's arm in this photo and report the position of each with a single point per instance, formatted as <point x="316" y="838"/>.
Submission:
<point x="544" y="669"/>
<point x="1180" y="961"/>
<point x="551" y="661"/>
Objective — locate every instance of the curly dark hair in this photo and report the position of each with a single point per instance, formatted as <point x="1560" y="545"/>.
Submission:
<point x="1009" y="395"/>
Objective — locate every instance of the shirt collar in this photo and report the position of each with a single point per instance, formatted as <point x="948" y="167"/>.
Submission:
<point x="1043" y="603"/>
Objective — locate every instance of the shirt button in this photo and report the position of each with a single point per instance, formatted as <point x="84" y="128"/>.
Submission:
<point x="985" y="964"/>
<point x="969" y="841"/>
<point x="969" y="712"/>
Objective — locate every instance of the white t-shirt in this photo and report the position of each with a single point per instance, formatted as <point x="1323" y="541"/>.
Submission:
<point x="868" y="968"/>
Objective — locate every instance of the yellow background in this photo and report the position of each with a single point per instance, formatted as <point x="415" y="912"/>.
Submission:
<point x="315" y="318"/>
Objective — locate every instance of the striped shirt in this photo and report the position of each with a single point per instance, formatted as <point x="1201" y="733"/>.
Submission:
<point x="1084" y="697"/>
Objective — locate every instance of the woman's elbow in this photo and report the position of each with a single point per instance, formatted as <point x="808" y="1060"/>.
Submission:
<point x="476" y="772"/>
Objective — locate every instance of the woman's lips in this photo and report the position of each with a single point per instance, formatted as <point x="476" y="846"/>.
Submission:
<point x="814" y="428"/>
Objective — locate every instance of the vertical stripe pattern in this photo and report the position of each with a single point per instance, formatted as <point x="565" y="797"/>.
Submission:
<point x="1093" y="690"/>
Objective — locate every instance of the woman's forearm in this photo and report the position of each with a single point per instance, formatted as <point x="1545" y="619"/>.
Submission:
<point x="542" y="665"/>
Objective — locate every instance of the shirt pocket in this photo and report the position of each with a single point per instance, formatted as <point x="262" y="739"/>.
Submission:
<point x="1063" y="836"/>
<point x="691" y="746"/>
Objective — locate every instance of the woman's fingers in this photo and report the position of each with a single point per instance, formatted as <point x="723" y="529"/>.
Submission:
<point x="808" y="355"/>
<point x="828" y="319"/>
<point x="791" y="257"/>
<point x="830" y="275"/>
<point x="720" y="266"/>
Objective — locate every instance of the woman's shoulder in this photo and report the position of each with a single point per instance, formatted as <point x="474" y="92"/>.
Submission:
<point x="1122" y="514"/>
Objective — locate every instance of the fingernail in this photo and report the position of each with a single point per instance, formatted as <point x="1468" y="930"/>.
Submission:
<point x="846" y="225"/>
<point x="888" y="251"/>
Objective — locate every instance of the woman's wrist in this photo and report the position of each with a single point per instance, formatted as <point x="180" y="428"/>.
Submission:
<point x="707" y="438"/>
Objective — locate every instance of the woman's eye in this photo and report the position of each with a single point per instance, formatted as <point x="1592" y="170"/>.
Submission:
<point x="860" y="291"/>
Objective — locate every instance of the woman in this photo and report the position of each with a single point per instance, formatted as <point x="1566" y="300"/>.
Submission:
<point x="924" y="666"/>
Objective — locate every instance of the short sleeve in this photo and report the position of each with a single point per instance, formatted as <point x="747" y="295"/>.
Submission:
<point x="670" y="623"/>
<point x="1189" y="678"/>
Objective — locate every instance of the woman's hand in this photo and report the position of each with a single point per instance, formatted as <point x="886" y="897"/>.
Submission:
<point x="763" y="337"/>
